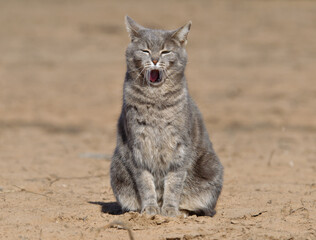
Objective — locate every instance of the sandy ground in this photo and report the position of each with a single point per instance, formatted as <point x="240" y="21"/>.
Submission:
<point x="251" y="70"/>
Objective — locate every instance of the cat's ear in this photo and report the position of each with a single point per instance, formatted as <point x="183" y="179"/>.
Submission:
<point x="181" y="34"/>
<point x="132" y="27"/>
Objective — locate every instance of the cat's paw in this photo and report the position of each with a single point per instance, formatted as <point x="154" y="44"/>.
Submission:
<point x="151" y="210"/>
<point x="170" y="211"/>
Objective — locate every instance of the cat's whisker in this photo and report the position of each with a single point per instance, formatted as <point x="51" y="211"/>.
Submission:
<point x="169" y="77"/>
<point x="138" y="68"/>
<point x="147" y="76"/>
<point x="139" y="73"/>
<point x="137" y="77"/>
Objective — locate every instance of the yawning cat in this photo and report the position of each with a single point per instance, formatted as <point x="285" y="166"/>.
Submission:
<point x="164" y="162"/>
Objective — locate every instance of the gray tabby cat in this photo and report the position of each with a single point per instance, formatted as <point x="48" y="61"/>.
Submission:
<point x="164" y="162"/>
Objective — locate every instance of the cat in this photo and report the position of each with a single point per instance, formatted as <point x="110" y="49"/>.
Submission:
<point x="164" y="162"/>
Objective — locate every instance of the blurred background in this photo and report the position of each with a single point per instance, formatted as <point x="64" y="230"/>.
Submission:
<point x="251" y="70"/>
<point x="251" y="63"/>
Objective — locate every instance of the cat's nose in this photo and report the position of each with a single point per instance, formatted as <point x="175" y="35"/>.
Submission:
<point x="155" y="60"/>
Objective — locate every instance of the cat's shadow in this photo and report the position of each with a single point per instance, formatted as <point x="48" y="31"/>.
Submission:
<point x="112" y="208"/>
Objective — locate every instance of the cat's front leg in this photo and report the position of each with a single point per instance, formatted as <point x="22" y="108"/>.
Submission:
<point x="147" y="191"/>
<point x="173" y="186"/>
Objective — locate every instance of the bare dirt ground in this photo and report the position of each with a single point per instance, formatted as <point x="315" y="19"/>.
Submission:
<point x="251" y="70"/>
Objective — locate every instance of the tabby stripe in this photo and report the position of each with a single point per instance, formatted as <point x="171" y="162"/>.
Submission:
<point x="176" y="92"/>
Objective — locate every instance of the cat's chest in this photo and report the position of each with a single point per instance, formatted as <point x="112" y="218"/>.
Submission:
<point x="156" y="138"/>
<point x="156" y="145"/>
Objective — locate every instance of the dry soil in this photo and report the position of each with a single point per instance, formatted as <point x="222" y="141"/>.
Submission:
<point x="251" y="70"/>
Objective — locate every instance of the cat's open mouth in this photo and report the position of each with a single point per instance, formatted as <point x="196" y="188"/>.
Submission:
<point x="155" y="76"/>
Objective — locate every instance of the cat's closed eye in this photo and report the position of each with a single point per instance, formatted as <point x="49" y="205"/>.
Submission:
<point x="165" y="52"/>
<point x="145" y="51"/>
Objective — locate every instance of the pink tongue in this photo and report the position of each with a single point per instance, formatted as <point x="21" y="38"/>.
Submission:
<point x="154" y="75"/>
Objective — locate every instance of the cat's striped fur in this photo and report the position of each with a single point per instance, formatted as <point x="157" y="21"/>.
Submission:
<point x="164" y="162"/>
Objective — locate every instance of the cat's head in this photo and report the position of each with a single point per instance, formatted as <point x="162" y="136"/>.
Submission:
<point x="156" y="56"/>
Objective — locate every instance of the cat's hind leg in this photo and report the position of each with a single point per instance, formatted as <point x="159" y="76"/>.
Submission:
<point x="202" y="186"/>
<point x="123" y="185"/>
<point x="198" y="203"/>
